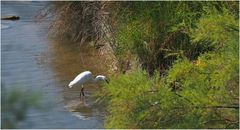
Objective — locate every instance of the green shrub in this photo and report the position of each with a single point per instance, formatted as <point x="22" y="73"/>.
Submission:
<point x="200" y="93"/>
<point x="15" y="105"/>
<point x="159" y="32"/>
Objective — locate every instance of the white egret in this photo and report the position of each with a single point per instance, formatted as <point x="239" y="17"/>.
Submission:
<point x="84" y="78"/>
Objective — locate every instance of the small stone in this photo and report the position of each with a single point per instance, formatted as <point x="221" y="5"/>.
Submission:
<point x="10" y="18"/>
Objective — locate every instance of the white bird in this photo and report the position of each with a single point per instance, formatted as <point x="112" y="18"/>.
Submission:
<point x="84" y="78"/>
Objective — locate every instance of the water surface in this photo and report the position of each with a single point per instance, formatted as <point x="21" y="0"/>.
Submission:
<point x="30" y="61"/>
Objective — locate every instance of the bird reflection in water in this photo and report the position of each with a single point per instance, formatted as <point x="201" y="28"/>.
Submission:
<point x="80" y="109"/>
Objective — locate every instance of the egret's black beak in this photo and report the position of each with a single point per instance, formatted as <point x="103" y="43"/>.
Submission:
<point x="107" y="81"/>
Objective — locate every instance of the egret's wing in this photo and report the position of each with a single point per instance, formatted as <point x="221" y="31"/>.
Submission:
<point x="81" y="78"/>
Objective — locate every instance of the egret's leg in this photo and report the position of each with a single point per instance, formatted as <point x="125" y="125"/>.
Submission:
<point x="82" y="90"/>
<point x="80" y="94"/>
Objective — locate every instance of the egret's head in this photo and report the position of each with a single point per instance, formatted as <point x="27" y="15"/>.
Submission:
<point x="101" y="78"/>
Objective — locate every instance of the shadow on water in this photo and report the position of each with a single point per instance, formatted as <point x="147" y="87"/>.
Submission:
<point x="67" y="61"/>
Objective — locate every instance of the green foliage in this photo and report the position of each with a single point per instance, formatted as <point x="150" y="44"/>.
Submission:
<point x="157" y="32"/>
<point x="218" y="28"/>
<point x="199" y="93"/>
<point x="135" y="101"/>
<point x="15" y="104"/>
<point x="122" y="92"/>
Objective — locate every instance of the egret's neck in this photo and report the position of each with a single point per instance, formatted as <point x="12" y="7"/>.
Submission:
<point x="95" y="80"/>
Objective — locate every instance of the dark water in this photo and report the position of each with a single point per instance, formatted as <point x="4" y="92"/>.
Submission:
<point x="31" y="62"/>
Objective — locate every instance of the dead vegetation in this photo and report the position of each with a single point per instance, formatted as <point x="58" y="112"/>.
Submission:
<point x="80" y="21"/>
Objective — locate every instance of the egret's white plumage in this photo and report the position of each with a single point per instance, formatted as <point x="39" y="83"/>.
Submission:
<point x="81" y="79"/>
<point x="84" y="78"/>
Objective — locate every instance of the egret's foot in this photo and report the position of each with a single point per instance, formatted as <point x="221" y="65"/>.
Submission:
<point x="81" y="96"/>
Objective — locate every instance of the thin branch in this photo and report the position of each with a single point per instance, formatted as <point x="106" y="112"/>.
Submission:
<point x="207" y="107"/>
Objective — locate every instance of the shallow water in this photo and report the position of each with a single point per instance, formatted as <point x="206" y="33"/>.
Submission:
<point x="30" y="61"/>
